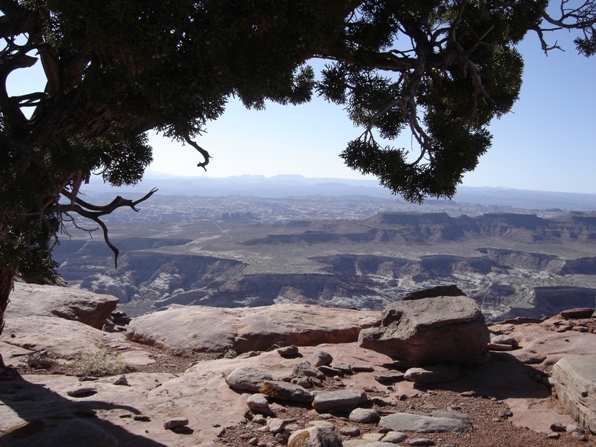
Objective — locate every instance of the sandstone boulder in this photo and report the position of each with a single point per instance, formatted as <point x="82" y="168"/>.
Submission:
<point x="72" y="304"/>
<point x="447" y="329"/>
<point x="575" y="384"/>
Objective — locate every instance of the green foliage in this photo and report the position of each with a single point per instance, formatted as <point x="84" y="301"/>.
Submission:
<point x="436" y="69"/>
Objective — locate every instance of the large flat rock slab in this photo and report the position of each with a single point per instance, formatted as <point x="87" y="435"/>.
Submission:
<point x="212" y="329"/>
<point x="575" y="384"/>
<point x="57" y="336"/>
<point x="72" y="304"/>
<point x="422" y="423"/>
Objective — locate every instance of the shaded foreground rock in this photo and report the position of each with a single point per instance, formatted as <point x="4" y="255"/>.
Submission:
<point x="59" y="433"/>
<point x="575" y="384"/>
<point x="446" y="329"/>
<point x="211" y="329"/>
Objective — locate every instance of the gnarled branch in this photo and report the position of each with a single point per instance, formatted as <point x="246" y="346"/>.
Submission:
<point x="94" y="212"/>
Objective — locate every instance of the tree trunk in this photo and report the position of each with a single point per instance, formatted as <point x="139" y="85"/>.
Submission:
<point x="6" y="285"/>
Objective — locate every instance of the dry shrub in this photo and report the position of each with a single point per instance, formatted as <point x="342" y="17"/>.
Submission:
<point x="39" y="360"/>
<point x="101" y="363"/>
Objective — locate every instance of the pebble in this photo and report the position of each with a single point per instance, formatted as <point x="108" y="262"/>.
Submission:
<point x="121" y="381"/>
<point x="81" y="391"/>
<point x="394" y="437"/>
<point x="372" y="436"/>
<point x="468" y="394"/>
<point x="258" y="403"/>
<point x="349" y="431"/>
<point x="288" y="351"/>
<point x="364" y="415"/>
<point x="142" y="418"/>
<point x="421" y="442"/>
<point x="175" y="422"/>
<point x="322" y="358"/>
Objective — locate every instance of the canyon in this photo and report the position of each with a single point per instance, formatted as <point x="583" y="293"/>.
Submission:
<point x="251" y="251"/>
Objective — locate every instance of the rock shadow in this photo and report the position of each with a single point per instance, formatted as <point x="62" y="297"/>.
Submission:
<point x="503" y="377"/>
<point x="50" y="417"/>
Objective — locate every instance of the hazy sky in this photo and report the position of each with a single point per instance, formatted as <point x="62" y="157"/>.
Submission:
<point x="548" y="142"/>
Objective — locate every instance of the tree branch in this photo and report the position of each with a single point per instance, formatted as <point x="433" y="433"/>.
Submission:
<point x="201" y="151"/>
<point x="94" y="212"/>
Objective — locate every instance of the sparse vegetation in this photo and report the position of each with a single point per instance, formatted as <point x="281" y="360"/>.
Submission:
<point x="101" y="363"/>
<point x="39" y="360"/>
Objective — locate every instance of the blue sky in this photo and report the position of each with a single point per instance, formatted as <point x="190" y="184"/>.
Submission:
<point x="547" y="143"/>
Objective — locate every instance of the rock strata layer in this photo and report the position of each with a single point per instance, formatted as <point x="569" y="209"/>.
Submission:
<point x="574" y="378"/>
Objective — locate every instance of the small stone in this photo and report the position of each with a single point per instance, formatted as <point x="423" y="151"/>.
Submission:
<point x="175" y="422"/>
<point x="322" y="358"/>
<point x="330" y="371"/>
<point x="499" y="347"/>
<point x="421" y="442"/>
<point x="506" y="413"/>
<point x="276" y="425"/>
<point x="394" y="437"/>
<point x="142" y="418"/>
<point x="558" y="428"/>
<point x="304" y="382"/>
<point x="288" y="351"/>
<point x="349" y="431"/>
<point x="579" y="436"/>
<point x="249" y="354"/>
<point x="504" y="340"/>
<point x="81" y="391"/>
<point x="253" y="441"/>
<point x="258" y="419"/>
<point x="121" y="381"/>
<point x="258" y="403"/>
<point x="321" y="424"/>
<point x="346" y="369"/>
<point x="372" y="436"/>
<point x="314" y="436"/>
<point x="468" y="394"/>
<point x="553" y="436"/>
<point x="306" y="369"/>
<point x="219" y="431"/>
<point x="383" y="402"/>
<point x="285" y="391"/>
<point x="364" y="415"/>
<point x="389" y="376"/>
<point x="362" y="368"/>
<point x="370" y="389"/>
<point x="432" y="374"/>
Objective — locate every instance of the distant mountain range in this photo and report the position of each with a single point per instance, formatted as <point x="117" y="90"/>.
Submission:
<point x="282" y="186"/>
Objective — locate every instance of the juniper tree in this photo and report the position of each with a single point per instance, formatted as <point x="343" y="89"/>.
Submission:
<point x="115" y="69"/>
